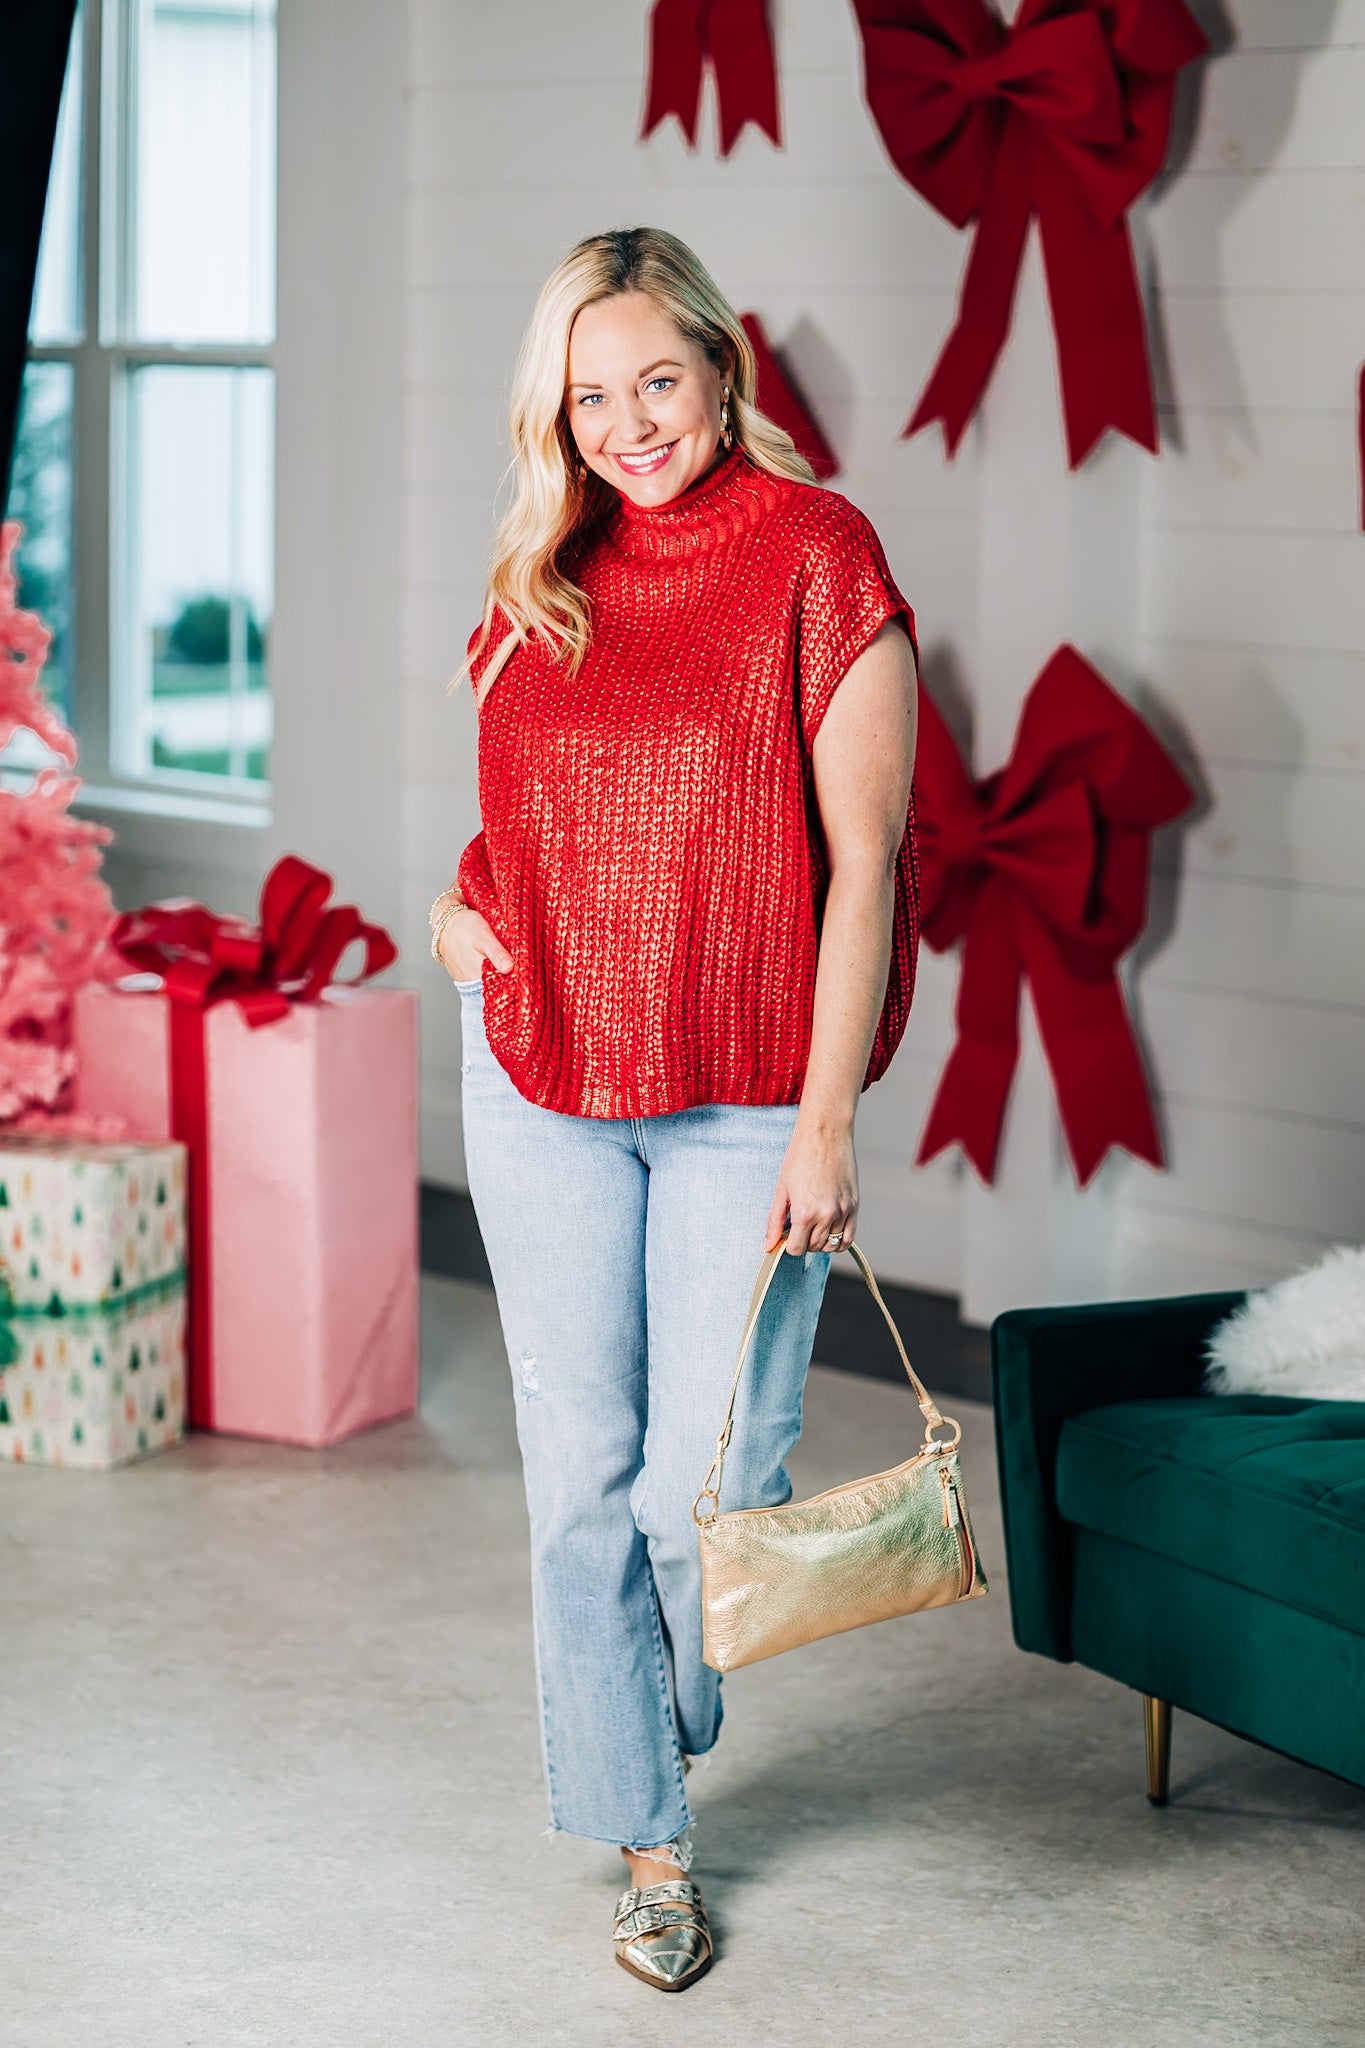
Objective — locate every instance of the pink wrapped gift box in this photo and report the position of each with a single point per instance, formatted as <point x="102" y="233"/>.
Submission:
<point x="312" y="1180"/>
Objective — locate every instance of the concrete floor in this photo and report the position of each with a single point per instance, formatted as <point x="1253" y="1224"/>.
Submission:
<point x="271" y="1776"/>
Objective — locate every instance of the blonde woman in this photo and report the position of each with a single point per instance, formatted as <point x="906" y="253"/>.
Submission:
<point x="684" y="941"/>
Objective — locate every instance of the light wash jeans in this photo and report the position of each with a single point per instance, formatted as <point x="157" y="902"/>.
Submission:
<point x="623" y="1252"/>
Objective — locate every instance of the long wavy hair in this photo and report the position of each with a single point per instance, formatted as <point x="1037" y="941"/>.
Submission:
<point x="555" y="501"/>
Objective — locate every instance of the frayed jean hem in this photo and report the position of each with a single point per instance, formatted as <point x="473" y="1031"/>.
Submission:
<point x="679" y="1852"/>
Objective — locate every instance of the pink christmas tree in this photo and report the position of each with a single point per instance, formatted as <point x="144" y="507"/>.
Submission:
<point x="55" y="912"/>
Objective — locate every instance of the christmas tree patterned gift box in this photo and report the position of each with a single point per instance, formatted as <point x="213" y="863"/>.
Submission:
<point x="92" y="1300"/>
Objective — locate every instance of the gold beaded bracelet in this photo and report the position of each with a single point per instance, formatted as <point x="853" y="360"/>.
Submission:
<point x="440" y="925"/>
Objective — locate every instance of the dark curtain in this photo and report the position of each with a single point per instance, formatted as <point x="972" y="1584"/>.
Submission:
<point x="34" y="38"/>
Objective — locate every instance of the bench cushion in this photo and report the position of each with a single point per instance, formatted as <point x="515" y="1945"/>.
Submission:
<point x="1265" y="1491"/>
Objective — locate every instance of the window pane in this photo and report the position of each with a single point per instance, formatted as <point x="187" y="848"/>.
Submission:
<point x="195" y="693"/>
<point x="56" y="310"/>
<point x="203" y="109"/>
<point x="40" y="497"/>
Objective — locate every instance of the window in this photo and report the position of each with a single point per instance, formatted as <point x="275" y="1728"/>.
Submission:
<point x="144" y="469"/>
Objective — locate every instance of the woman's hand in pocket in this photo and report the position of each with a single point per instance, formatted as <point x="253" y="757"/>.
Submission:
<point x="466" y="941"/>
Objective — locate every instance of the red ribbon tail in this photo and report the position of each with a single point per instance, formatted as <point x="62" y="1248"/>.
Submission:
<point x="968" y="357"/>
<point x="968" y="1108"/>
<point x="1098" y="321"/>
<point x="969" y="1103"/>
<point x="745" y="68"/>
<point x="189" y="1123"/>
<point x="1097" y="1073"/>
<point x="675" y="66"/>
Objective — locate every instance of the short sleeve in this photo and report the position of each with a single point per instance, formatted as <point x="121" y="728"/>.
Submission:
<point x="847" y="595"/>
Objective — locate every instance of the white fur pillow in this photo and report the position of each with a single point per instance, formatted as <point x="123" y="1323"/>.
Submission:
<point x="1305" y="1336"/>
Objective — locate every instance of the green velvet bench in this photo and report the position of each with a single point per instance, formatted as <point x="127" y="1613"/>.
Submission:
<point x="1208" y="1551"/>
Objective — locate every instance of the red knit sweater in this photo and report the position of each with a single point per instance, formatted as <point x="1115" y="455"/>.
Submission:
<point x="651" y="853"/>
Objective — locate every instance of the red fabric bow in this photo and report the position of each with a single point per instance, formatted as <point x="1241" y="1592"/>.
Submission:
<point x="779" y="398"/>
<point x="1041" y="871"/>
<point x="288" y="957"/>
<point x="734" y="38"/>
<point x="1065" y="116"/>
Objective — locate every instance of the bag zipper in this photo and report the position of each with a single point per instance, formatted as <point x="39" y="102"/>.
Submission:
<point x="832" y="1492"/>
<point x="953" y="1518"/>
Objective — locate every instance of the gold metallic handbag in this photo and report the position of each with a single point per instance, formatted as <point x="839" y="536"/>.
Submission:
<point x="901" y="1541"/>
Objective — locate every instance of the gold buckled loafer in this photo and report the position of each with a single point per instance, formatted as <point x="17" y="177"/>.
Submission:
<point x="662" y="1935"/>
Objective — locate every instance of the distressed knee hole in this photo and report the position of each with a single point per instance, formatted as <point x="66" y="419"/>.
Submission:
<point x="529" y="1375"/>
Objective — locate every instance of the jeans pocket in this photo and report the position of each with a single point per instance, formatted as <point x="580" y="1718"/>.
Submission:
<point x="470" y="988"/>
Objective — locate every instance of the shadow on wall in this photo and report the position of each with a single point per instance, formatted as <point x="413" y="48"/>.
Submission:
<point x="1163" y="887"/>
<point x="1278" y="90"/>
<point x="941" y="673"/>
<point x="822" y="376"/>
<point x="1283" y="736"/>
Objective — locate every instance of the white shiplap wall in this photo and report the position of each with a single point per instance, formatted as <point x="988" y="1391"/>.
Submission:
<point x="1253" y="638"/>
<point x="1250" y="587"/>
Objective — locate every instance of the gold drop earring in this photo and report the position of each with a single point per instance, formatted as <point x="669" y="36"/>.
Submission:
<point x="727" y="437"/>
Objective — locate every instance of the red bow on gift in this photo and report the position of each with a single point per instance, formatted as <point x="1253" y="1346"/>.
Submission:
<point x="1065" y="116"/>
<point x="734" y="38"/>
<point x="289" y="956"/>
<point x="1041" y="871"/>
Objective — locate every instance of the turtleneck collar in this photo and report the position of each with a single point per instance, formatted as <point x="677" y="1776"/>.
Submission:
<point x="729" y="498"/>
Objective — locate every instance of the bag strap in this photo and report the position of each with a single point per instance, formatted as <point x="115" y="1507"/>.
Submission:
<point x="767" y="1272"/>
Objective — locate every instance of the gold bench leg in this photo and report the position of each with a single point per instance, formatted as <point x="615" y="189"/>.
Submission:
<point x="1156" y="1721"/>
